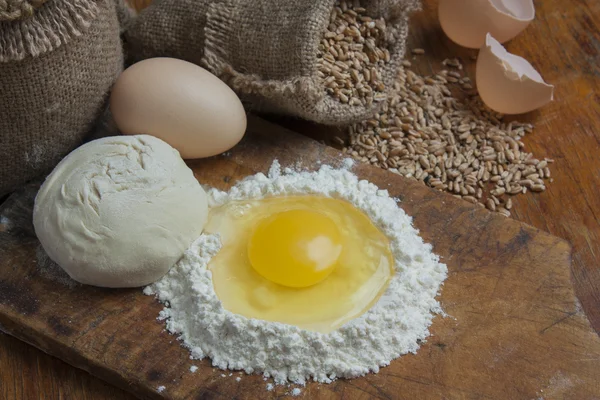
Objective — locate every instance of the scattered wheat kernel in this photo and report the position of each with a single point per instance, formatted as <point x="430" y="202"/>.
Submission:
<point x="451" y="142"/>
<point x="503" y="211"/>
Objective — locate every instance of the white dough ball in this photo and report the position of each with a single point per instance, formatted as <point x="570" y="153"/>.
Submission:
<point x="119" y="211"/>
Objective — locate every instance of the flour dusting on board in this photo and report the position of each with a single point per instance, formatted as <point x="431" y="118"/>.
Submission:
<point x="394" y="326"/>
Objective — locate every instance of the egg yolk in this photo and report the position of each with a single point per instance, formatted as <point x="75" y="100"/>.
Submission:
<point x="295" y="248"/>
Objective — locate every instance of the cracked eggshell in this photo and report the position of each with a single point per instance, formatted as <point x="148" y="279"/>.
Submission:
<point x="466" y="22"/>
<point x="508" y="83"/>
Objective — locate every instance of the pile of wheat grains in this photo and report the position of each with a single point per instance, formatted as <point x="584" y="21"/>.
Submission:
<point x="451" y="143"/>
<point x="351" y="54"/>
<point x="434" y="129"/>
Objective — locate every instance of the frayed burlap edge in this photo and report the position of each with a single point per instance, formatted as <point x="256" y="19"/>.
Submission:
<point x="11" y="10"/>
<point x="52" y="25"/>
<point x="291" y="96"/>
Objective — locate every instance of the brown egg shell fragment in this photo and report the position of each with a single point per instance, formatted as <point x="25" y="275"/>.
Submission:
<point x="466" y="22"/>
<point x="507" y="83"/>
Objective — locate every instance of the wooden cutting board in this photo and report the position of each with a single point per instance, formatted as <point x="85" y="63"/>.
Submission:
<point x="514" y="328"/>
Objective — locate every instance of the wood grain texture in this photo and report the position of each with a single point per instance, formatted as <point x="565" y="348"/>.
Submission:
<point x="514" y="328"/>
<point x="564" y="44"/>
<point x="28" y="373"/>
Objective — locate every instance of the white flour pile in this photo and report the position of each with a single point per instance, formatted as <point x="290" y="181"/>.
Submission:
<point x="392" y="327"/>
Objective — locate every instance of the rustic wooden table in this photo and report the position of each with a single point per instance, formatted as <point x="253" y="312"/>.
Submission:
<point x="564" y="44"/>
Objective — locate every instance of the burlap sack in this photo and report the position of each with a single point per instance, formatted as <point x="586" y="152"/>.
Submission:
<point x="168" y="28"/>
<point x="58" y="61"/>
<point x="266" y="50"/>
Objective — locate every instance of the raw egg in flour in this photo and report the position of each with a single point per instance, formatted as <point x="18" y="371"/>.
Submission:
<point x="310" y="261"/>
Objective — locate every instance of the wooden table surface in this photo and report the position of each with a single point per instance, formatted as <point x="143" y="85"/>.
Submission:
<point x="564" y="44"/>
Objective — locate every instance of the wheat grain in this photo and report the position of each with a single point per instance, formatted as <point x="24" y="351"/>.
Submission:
<point x="431" y="130"/>
<point x="352" y="52"/>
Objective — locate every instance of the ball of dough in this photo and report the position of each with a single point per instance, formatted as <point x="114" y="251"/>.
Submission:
<point x="119" y="211"/>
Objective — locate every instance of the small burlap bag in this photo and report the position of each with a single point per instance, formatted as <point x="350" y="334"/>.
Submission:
<point x="266" y="50"/>
<point x="58" y="60"/>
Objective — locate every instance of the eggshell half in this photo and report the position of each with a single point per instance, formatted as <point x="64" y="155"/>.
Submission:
<point x="180" y="103"/>
<point x="508" y="83"/>
<point x="466" y="22"/>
